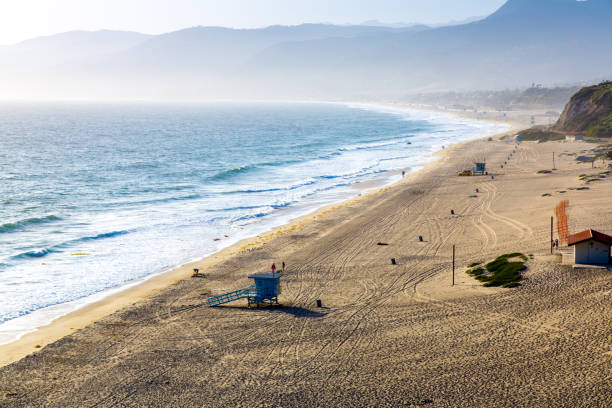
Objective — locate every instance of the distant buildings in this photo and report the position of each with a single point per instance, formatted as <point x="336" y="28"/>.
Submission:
<point x="574" y="137"/>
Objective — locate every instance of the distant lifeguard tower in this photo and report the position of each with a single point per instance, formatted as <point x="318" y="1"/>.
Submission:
<point x="480" y="168"/>
<point x="265" y="291"/>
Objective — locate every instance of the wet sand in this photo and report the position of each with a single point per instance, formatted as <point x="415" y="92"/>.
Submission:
<point x="386" y="335"/>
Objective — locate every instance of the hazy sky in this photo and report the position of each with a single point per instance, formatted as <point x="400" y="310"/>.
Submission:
<point x="22" y="19"/>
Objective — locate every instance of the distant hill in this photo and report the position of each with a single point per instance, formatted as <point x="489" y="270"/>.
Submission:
<point x="525" y="41"/>
<point x="219" y="49"/>
<point x="550" y="42"/>
<point x="196" y="62"/>
<point x="589" y="111"/>
<point x="377" y="23"/>
<point x="72" y="46"/>
<point x="204" y="45"/>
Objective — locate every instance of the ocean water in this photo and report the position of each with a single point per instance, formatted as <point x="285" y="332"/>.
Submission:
<point x="95" y="197"/>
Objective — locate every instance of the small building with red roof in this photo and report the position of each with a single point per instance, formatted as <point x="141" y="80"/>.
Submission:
<point x="591" y="247"/>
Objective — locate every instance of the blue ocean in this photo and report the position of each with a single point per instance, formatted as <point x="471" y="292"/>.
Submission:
<point x="95" y="197"/>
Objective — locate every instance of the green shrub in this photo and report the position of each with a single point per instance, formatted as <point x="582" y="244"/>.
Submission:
<point x="475" y="272"/>
<point x="501" y="272"/>
<point x="506" y="273"/>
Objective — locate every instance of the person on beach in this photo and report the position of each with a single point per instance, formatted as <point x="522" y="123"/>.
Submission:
<point x="403" y="173"/>
<point x="273" y="268"/>
<point x="283" y="266"/>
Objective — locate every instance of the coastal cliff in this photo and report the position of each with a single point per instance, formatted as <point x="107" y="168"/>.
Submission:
<point x="589" y="111"/>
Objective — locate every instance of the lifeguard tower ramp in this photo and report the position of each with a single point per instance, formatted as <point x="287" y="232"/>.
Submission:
<point x="265" y="291"/>
<point x="231" y="296"/>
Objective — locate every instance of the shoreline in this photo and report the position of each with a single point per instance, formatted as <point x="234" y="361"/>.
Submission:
<point x="130" y="294"/>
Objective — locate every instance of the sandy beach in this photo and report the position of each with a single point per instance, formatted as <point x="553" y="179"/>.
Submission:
<point x="387" y="335"/>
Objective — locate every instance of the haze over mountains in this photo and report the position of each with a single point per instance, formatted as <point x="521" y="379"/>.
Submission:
<point x="525" y="41"/>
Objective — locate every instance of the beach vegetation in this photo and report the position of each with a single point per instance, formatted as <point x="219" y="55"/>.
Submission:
<point x="475" y="272"/>
<point x="540" y="135"/>
<point x="504" y="271"/>
<point x="474" y="264"/>
<point x="601" y="130"/>
<point x="589" y="178"/>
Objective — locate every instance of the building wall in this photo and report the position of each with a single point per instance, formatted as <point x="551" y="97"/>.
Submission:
<point x="591" y="252"/>
<point x="268" y="287"/>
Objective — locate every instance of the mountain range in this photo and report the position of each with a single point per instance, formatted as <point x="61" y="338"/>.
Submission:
<point x="525" y="41"/>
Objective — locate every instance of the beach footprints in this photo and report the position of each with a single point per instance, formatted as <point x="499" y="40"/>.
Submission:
<point x="524" y="229"/>
<point x="488" y="213"/>
<point x="487" y="232"/>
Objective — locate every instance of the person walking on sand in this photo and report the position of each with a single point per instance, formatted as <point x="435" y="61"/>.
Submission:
<point x="283" y="266"/>
<point x="273" y="268"/>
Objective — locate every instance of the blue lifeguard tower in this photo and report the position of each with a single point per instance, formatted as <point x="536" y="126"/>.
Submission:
<point x="479" y="168"/>
<point x="265" y="291"/>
